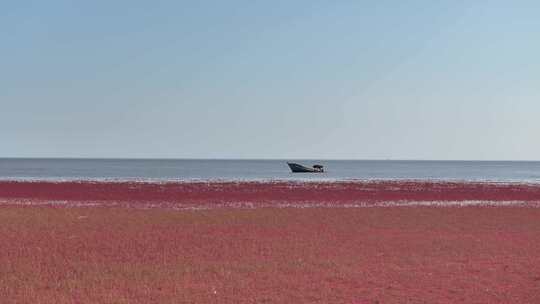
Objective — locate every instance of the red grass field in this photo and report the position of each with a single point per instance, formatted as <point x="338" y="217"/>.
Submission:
<point x="270" y="194"/>
<point x="415" y="254"/>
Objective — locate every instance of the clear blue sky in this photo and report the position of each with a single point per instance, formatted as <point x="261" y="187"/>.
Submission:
<point x="270" y="79"/>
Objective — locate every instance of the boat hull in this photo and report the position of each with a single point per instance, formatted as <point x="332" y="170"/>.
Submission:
<point x="297" y="168"/>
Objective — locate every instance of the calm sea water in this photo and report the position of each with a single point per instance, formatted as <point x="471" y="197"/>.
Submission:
<point x="131" y="169"/>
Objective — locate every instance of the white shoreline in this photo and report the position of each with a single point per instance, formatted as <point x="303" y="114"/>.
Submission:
<point x="167" y="205"/>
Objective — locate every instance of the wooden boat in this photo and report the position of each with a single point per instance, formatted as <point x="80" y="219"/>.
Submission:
<point x="297" y="168"/>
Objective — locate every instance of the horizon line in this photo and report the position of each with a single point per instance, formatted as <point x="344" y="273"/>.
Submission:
<point x="269" y="158"/>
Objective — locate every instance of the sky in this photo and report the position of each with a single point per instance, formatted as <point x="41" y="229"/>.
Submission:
<point x="270" y="79"/>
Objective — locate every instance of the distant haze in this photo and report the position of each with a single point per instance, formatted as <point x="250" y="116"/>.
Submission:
<point x="270" y="79"/>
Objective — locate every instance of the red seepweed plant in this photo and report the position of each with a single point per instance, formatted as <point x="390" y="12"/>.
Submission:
<point x="224" y="254"/>
<point x="267" y="194"/>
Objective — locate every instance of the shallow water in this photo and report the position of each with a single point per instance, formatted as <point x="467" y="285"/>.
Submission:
<point x="184" y="169"/>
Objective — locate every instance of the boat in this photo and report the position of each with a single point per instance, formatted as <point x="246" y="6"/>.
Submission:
<point x="297" y="168"/>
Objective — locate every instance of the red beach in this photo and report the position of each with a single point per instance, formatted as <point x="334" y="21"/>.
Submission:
<point x="279" y="242"/>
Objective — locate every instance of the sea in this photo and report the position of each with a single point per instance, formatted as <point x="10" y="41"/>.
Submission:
<point x="264" y="170"/>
